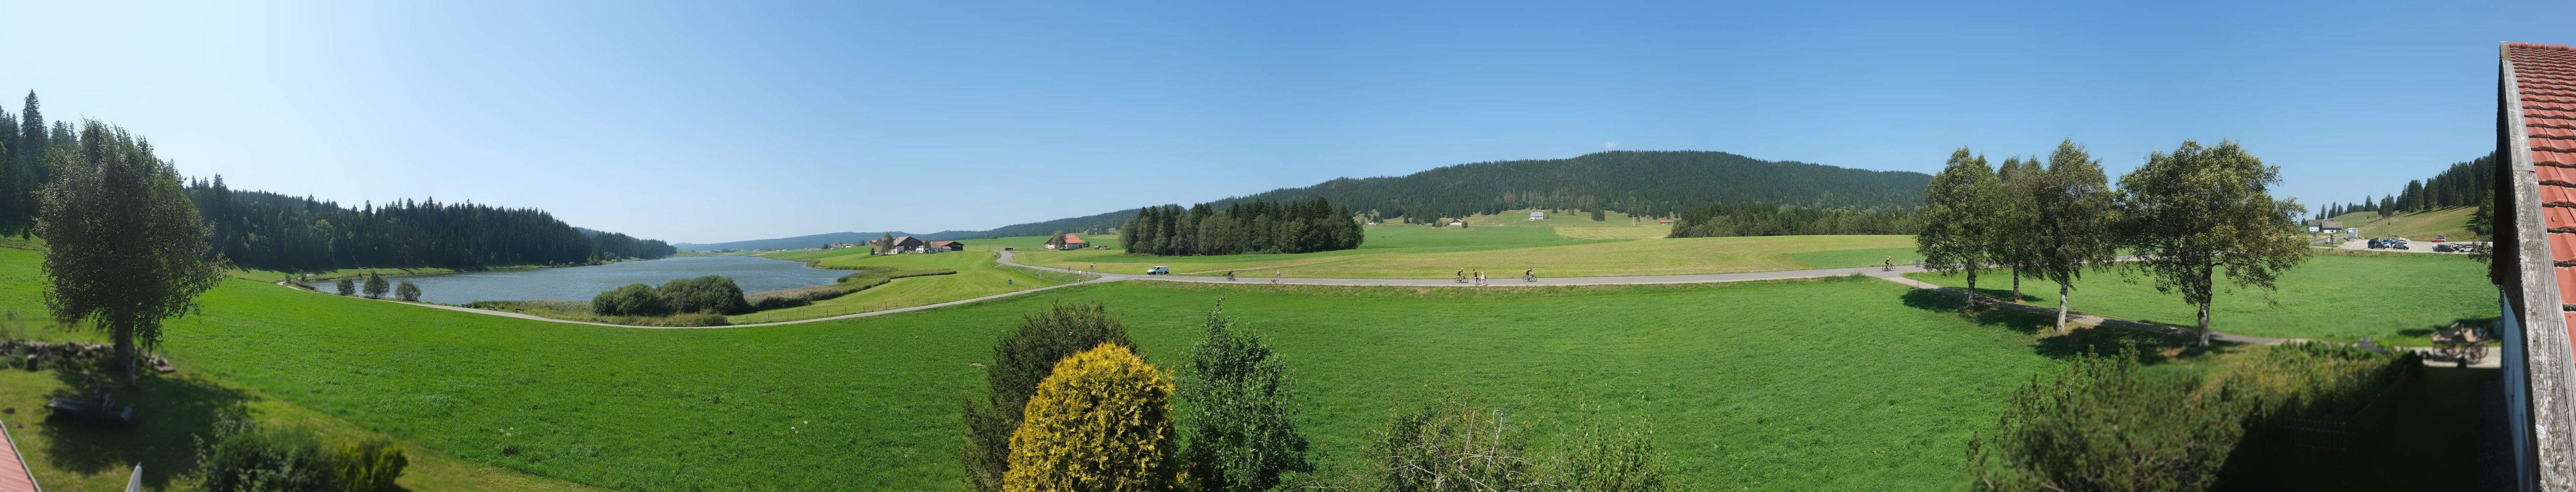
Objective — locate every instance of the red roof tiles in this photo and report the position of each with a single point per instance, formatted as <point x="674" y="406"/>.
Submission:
<point x="2544" y="84"/>
<point x="13" y="469"/>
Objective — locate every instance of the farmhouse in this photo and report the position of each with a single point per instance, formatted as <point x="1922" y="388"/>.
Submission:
<point x="901" y="244"/>
<point x="948" y="245"/>
<point x="2325" y="226"/>
<point x="1067" y="241"/>
<point x="1538" y="216"/>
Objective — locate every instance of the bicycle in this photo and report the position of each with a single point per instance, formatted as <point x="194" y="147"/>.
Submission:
<point x="1229" y="276"/>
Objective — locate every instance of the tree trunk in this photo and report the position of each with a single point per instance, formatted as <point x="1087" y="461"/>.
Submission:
<point x="2204" y="325"/>
<point x="1972" y="288"/>
<point x="2016" y="285"/>
<point x="125" y="351"/>
<point x="2061" y="308"/>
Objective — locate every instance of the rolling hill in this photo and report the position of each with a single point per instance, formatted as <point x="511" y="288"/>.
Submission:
<point x="1650" y="183"/>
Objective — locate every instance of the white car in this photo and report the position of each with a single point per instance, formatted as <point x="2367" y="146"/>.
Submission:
<point x="1159" y="270"/>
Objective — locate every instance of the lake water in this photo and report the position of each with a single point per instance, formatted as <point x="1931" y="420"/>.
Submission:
<point x="582" y="283"/>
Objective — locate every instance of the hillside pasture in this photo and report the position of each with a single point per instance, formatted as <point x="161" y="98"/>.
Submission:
<point x="2393" y="298"/>
<point x="2419" y="226"/>
<point x="978" y="275"/>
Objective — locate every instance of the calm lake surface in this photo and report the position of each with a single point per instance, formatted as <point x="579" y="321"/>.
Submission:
<point x="581" y="283"/>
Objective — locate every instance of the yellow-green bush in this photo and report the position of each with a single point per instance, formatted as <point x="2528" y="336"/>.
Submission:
<point x="370" y="466"/>
<point x="1100" y="422"/>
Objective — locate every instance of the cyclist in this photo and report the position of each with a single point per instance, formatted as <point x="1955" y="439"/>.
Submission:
<point x="1530" y="275"/>
<point x="1462" y="275"/>
<point x="1891" y="265"/>
<point x="1229" y="275"/>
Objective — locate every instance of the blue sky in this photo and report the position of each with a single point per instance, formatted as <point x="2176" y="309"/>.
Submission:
<point x="728" y="121"/>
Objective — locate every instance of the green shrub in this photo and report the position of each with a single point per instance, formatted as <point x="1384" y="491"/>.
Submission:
<point x="2312" y="379"/>
<point x="708" y="294"/>
<point x="242" y="456"/>
<point x="631" y="300"/>
<point x="407" y="291"/>
<point x="1455" y="444"/>
<point x="1020" y="361"/>
<point x="2104" y="426"/>
<point x="1244" y="436"/>
<point x="369" y="466"/>
<point x="1101" y="422"/>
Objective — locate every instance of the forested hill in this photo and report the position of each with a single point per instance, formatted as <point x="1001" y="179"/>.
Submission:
<point x="1655" y="183"/>
<point x="270" y="231"/>
<point x="1635" y="182"/>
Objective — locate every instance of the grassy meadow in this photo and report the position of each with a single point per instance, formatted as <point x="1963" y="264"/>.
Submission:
<point x="978" y="275"/>
<point x="2419" y="226"/>
<point x="1426" y="252"/>
<point x="2395" y="298"/>
<point x="1742" y="394"/>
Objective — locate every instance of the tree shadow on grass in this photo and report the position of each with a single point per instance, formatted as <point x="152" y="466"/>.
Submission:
<point x="2155" y="344"/>
<point x="2019" y="322"/>
<point x="169" y="412"/>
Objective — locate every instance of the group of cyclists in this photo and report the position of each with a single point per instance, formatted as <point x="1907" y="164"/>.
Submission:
<point x="1478" y="278"/>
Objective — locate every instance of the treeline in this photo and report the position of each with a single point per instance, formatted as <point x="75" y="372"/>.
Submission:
<point x="2464" y="184"/>
<point x="1763" y="219"/>
<point x="24" y="140"/>
<point x="270" y="231"/>
<point x="1243" y="227"/>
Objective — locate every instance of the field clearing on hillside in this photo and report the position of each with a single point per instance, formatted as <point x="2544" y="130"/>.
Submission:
<point x="1744" y="392"/>
<point x="978" y="275"/>
<point x="1557" y="218"/>
<point x="2420" y="226"/>
<point x="1421" y="252"/>
<point x="2393" y="298"/>
<point x="1648" y="231"/>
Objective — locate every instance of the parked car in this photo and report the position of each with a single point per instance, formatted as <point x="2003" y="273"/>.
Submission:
<point x="2377" y="243"/>
<point x="2440" y="238"/>
<point x="2397" y="244"/>
<point x="1159" y="270"/>
<point x="2442" y="248"/>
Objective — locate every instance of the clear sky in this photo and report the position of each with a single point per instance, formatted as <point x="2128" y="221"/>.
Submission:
<point x="727" y="121"/>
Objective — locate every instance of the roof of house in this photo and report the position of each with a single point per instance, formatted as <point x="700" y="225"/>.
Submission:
<point x="944" y="244"/>
<point x="2545" y="83"/>
<point x="905" y="239"/>
<point x="2536" y="140"/>
<point x="1071" y="239"/>
<point x="14" y="476"/>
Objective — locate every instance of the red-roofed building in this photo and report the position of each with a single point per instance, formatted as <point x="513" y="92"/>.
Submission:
<point x="1067" y="241"/>
<point x="2535" y="259"/>
<point x="948" y="245"/>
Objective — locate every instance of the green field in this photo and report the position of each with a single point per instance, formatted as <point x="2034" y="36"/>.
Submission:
<point x="2419" y="226"/>
<point x="1742" y="394"/>
<point x="2395" y="298"/>
<point x="1425" y="252"/>
<point x="977" y="276"/>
